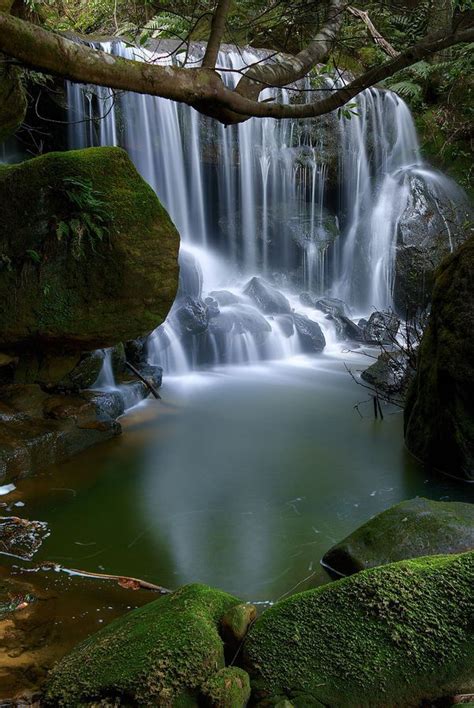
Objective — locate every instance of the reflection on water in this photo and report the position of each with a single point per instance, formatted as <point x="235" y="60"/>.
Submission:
<point x="240" y="478"/>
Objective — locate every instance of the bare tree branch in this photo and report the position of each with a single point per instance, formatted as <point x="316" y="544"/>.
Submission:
<point x="217" y="33"/>
<point x="287" y="69"/>
<point x="377" y="37"/>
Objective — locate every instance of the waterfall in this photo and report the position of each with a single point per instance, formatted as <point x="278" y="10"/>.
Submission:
<point x="310" y="205"/>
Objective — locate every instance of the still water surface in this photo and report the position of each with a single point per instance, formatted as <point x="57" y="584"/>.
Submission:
<point x="240" y="478"/>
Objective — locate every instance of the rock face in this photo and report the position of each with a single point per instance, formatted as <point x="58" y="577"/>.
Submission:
<point x="91" y="261"/>
<point x="267" y="298"/>
<point x="391" y="636"/>
<point x="161" y="654"/>
<point x="429" y="228"/>
<point x="13" y="101"/>
<point x="439" y="413"/>
<point x="413" y="528"/>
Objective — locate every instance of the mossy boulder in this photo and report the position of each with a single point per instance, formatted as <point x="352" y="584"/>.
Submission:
<point x="228" y="688"/>
<point x="161" y="654"/>
<point x="388" y="636"/>
<point x="13" y="103"/>
<point x="414" y="528"/>
<point x="439" y="412"/>
<point x="88" y="256"/>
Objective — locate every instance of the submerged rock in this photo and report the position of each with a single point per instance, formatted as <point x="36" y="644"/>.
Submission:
<point x="310" y="334"/>
<point x="20" y="537"/>
<point x="161" y="654"/>
<point x="413" y="528"/>
<point x="267" y="298"/>
<point x="394" y="636"/>
<point x="439" y="411"/>
<point x="79" y="279"/>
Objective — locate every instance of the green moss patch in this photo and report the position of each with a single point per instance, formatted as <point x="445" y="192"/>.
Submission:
<point x="160" y="654"/>
<point x="388" y="636"/>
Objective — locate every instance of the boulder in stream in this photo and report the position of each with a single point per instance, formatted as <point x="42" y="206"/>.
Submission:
<point x="413" y="528"/>
<point x="394" y="636"/>
<point x="164" y="653"/>
<point x="381" y="328"/>
<point x="310" y="334"/>
<point x="267" y="298"/>
<point x="192" y="315"/>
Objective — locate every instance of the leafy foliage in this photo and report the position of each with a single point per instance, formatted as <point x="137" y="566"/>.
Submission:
<point x="87" y="218"/>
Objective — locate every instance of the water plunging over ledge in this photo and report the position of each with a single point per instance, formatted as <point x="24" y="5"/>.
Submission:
<point x="309" y="205"/>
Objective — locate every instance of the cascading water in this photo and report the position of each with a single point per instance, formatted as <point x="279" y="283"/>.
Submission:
<point x="312" y="204"/>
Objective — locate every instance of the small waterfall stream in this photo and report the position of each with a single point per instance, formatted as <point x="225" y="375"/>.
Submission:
<point x="309" y="205"/>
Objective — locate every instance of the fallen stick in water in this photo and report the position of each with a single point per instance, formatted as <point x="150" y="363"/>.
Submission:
<point x="151" y="388"/>
<point x="123" y="580"/>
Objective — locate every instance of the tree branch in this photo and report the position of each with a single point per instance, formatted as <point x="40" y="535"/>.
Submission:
<point x="217" y="32"/>
<point x="377" y="37"/>
<point x="287" y="69"/>
<point x="201" y="88"/>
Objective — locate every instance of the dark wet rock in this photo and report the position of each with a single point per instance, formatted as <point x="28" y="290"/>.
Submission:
<point x="85" y="373"/>
<point x="439" y="410"/>
<point x="136" y="351"/>
<point x="332" y="306"/>
<point x="367" y="636"/>
<point x="346" y="328"/>
<point x="413" y="528"/>
<point x="20" y="537"/>
<point x="391" y="374"/>
<point x="109" y="404"/>
<point x="308" y="300"/>
<point x="38" y="429"/>
<point x="362" y="323"/>
<point x="381" y="328"/>
<point x="191" y="315"/>
<point x="76" y="294"/>
<point x="240" y="319"/>
<point x="212" y="307"/>
<point x="310" y="334"/>
<point x="190" y="275"/>
<point x="118" y="358"/>
<point x="267" y="298"/>
<point x="8" y="366"/>
<point x="13" y="101"/>
<point x="432" y="225"/>
<point x="228" y="688"/>
<point x="161" y="654"/>
<point x="286" y="325"/>
<point x="225" y="297"/>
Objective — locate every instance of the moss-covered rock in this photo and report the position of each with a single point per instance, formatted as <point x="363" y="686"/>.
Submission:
<point x="88" y="256"/>
<point x="160" y="654"/>
<point x="236" y="621"/>
<point x="418" y="527"/>
<point x="439" y="412"/>
<point x="388" y="636"/>
<point x="13" y="101"/>
<point x="228" y="688"/>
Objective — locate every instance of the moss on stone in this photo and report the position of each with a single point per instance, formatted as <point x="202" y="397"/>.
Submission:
<point x="13" y="103"/>
<point x="160" y="654"/>
<point x="236" y="621"/>
<point x="228" y="688"/>
<point x="388" y="636"/>
<point x="121" y="287"/>
<point x="439" y="411"/>
<point x="413" y="528"/>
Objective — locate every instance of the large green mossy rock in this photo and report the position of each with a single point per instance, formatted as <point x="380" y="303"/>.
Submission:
<point x="413" y="528"/>
<point x="160" y="654"/>
<point x="389" y="636"/>
<point x="439" y="412"/>
<point x="88" y="256"/>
